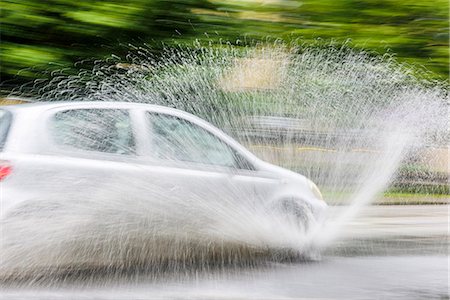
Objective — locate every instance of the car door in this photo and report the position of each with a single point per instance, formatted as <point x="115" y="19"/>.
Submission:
<point x="190" y="159"/>
<point x="85" y="153"/>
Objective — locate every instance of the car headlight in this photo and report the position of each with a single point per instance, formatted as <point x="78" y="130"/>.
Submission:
<point x="315" y="190"/>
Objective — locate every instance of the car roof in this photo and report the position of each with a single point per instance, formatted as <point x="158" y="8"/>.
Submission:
<point x="41" y="106"/>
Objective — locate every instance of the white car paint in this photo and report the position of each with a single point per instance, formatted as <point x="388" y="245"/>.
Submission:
<point x="42" y="169"/>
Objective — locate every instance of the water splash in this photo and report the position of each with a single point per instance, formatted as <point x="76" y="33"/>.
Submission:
<point x="345" y="119"/>
<point x="324" y="112"/>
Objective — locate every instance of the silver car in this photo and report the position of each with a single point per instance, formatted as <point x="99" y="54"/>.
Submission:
<point x="60" y="149"/>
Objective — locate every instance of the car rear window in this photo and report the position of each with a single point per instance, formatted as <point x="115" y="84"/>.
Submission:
<point x="5" y="122"/>
<point x="99" y="130"/>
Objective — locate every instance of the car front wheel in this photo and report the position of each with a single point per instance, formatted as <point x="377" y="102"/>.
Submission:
<point x="297" y="211"/>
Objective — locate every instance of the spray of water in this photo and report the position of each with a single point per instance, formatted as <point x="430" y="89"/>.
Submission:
<point x="345" y="119"/>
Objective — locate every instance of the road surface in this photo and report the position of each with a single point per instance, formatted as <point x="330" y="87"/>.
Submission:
<point x="388" y="252"/>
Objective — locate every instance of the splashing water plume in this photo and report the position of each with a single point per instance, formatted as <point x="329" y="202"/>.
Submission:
<point x="343" y="118"/>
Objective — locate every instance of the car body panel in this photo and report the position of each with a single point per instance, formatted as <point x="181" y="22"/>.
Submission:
<point x="43" y="169"/>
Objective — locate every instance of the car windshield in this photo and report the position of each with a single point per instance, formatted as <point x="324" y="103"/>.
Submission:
<point x="180" y="140"/>
<point x="5" y="122"/>
<point x="100" y="130"/>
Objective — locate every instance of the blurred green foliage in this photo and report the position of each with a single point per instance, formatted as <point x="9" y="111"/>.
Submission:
<point x="55" y="34"/>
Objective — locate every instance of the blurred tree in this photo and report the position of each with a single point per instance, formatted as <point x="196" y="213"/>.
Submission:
<point x="38" y="36"/>
<point x="49" y="35"/>
<point x="416" y="32"/>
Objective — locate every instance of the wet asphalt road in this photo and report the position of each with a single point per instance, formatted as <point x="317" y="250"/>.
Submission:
<point x="388" y="252"/>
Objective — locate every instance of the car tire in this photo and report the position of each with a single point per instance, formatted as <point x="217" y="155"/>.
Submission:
<point x="298" y="210"/>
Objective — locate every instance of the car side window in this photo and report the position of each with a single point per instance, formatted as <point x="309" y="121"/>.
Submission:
<point x="99" y="130"/>
<point x="176" y="139"/>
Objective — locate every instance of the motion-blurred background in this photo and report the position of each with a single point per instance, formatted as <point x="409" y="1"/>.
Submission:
<point x="40" y="36"/>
